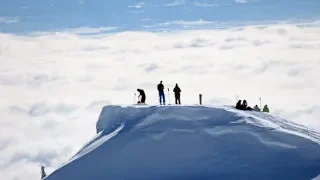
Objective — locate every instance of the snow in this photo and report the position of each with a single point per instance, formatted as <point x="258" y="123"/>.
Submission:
<point x="194" y="142"/>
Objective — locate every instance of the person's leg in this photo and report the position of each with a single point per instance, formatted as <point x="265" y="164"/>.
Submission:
<point x="179" y="98"/>
<point x="176" y="99"/>
<point x="160" y="98"/>
<point x="163" y="98"/>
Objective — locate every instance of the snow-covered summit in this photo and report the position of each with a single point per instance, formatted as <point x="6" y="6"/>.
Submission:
<point x="194" y="142"/>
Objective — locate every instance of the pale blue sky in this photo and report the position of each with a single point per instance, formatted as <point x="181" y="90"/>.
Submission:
<point x="20" y="16"/>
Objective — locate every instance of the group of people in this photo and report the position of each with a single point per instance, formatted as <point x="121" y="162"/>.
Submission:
<point x="244" y="106"/>
<point x="162" y="99"/>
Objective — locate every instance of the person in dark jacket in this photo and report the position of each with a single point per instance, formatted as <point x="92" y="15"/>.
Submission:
<point x="177" y="91"/>
<point x="238" y="105"/>
<point x="142" y="96"/>
<point x="249" y="108"/>
<point x="162" y="98"/>
<point x="244" y="104"/>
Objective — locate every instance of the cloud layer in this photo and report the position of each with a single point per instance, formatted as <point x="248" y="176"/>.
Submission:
<point x="53" y="85"/>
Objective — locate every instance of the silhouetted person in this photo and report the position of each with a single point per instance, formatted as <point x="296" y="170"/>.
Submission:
<point x="177" y="91"/>
<point x="238" y="105"/>
<point x="43" y="173"/>
<point x="142" y="96"/>
<point x="244" y="104"/>
<point x="162" y="98"/>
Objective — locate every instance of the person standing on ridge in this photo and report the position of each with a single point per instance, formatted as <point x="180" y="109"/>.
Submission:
<point x="266" y="109"/>
<point x="160" y="88"/>
<point x="177" y="91"/>
<point x="142" y="96"/>
<point x="43" y="173"/>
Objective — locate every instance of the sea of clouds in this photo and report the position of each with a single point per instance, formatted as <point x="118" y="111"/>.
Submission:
<point x="53" y="85"/>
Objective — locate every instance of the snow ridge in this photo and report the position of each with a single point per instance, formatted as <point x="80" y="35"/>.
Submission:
<point x="194" y="142"/>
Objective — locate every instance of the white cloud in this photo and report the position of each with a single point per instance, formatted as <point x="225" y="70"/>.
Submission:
<point x="176" y="3"/>
<point x="236" y="25"/>
<point x="95" y="106"/>
<point x="53" y="85"/>
<point x="171" y="26"/>
<point x="9" y="20"/>
<point x="138" y="5"/>
<point x="186" y="23"/>
<point x="241" y="1"/>
<point x="201" y="4"/>
<point x="89" y="30"/>
<point x="79" y="30"/>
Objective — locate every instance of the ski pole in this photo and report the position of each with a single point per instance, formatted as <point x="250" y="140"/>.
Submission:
<point x="260" y="103"/>
<point x="169" y="95"/>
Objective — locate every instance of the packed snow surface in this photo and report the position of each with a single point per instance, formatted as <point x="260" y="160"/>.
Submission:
<point x="194" y="142"/>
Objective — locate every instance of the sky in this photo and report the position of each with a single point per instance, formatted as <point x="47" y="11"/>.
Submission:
<point x="61" y="61"/>
<point x="22" y="16"/>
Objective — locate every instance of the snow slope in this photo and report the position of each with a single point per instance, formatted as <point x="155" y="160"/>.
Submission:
<point x="194" y="142"/>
